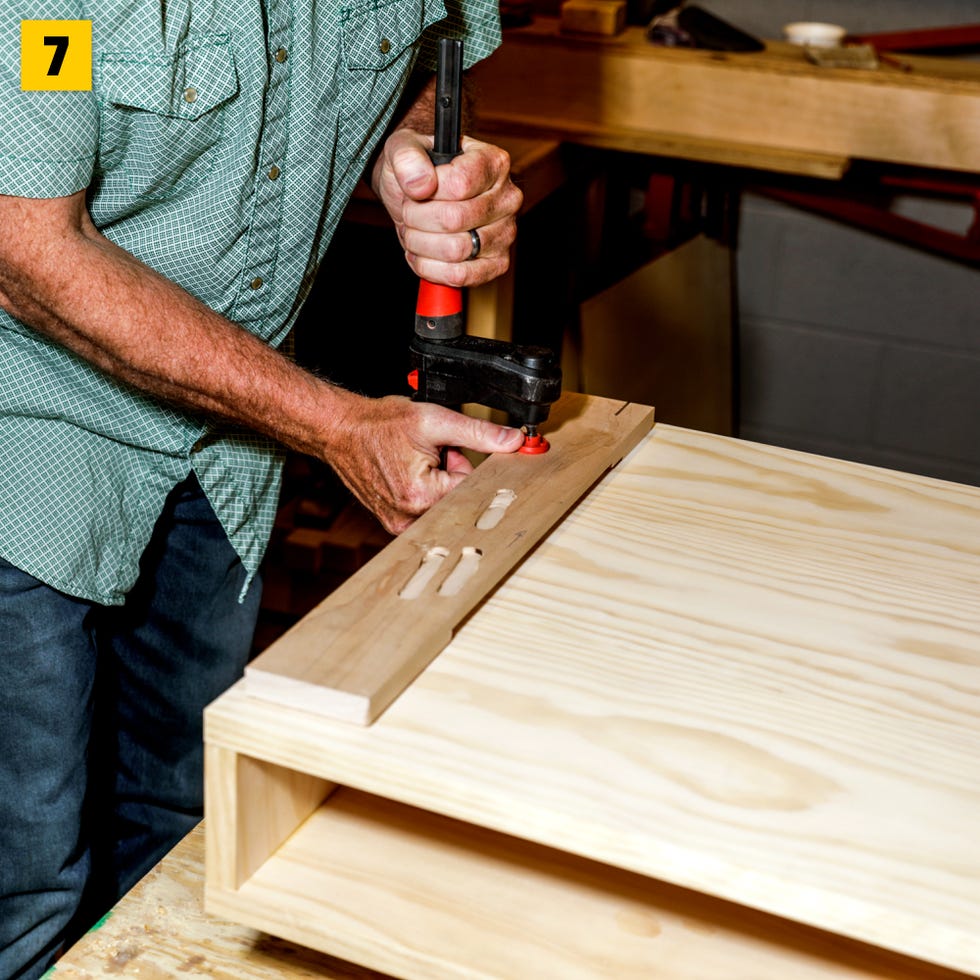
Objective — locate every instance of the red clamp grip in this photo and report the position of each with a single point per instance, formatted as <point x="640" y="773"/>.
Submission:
<point x="436" y="300"/>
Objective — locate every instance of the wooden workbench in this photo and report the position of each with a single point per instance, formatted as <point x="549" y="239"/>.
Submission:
<point x="771" y="110"/>
<point x="723" y="722"/>
<point x="160" y="929"/>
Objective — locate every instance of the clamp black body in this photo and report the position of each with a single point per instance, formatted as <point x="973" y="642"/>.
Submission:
<point x="523" y="381"/>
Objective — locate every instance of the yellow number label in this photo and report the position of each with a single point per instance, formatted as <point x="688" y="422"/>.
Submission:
<point x="55" y="55"/>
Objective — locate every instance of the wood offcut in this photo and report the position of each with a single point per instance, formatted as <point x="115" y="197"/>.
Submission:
<point x="353" y="654"/>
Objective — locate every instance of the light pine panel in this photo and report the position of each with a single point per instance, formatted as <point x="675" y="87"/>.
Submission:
<point x="734" y="668"/>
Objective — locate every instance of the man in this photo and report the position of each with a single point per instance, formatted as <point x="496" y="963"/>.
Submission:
<point x="160" y="233"/>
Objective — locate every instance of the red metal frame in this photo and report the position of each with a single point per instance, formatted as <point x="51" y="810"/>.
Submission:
<point x="923" y="39"/>
<point x="858" y="212"/>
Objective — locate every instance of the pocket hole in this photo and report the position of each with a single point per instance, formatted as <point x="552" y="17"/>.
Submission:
<point x="466" y="568"/>
<point x="431" y="563"/>
<point x="492" y="516"/>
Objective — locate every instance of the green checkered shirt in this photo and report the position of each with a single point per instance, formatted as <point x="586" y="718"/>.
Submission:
<point x="220" y="144"/>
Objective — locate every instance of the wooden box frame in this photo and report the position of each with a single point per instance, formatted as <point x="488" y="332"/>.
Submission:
<point x="383" y="844"/>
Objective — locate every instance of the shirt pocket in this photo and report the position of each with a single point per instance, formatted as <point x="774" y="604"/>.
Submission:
<point x="379" y="46"/>
<point x="163" y="117"/>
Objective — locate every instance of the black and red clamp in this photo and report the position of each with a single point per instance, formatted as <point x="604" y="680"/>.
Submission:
<point x="449" y="367"/>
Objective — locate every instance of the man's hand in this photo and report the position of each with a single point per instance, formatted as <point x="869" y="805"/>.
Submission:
<point x="389" y="454"/>
<point x="62" y="277"/>
<point x="434" y="208"/>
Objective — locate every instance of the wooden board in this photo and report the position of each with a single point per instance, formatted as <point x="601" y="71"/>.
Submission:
<point x="734" y="668"/>
<point x="628" y="94"/>
<point x="368" y="639"/>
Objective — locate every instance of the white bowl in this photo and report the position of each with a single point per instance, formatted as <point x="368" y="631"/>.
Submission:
<point x="814" y="34"/>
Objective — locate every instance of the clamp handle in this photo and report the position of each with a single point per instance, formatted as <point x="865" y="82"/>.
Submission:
<point x="439" y="309"/>
<point x="449" y="101"/>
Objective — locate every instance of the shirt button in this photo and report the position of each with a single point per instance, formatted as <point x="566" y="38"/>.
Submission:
<point x="385" y="46"/>
<point x="190" y="94"/>
<point x="281" y="55"/>
<point x="274" y="172"/>
<point x="256" y="283"/>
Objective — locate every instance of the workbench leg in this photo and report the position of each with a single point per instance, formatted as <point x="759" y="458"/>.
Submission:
<point x="250" y="808"/>
<point x="490" y="308"/>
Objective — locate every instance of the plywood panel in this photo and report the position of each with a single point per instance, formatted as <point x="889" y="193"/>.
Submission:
<point x="735" y="668"/>
<point x="160" y="931"/>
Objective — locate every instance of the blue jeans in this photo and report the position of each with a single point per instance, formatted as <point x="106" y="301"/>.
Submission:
<point x="100" y="727"/>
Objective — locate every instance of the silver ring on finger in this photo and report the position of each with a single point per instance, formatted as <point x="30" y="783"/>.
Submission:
<point x="476" y="243"/>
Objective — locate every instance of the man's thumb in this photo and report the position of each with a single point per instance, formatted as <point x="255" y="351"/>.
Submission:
<point x="488" y="437"/>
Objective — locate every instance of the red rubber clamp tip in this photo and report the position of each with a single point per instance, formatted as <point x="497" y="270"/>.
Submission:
<point x="413" y="380"/>
<point x="534" y="445"/>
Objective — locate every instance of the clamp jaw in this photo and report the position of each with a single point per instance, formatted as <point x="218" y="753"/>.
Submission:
<point x="521" y="380"/>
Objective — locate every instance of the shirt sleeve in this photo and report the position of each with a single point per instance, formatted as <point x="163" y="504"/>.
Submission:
<point x="49" y="138"/>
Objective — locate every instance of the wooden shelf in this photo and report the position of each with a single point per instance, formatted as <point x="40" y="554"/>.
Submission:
<point x="422" y="896"/>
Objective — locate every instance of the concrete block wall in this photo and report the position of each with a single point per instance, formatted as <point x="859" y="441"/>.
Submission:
<point x="852" y="345"/>
<point x="857" y="347"/>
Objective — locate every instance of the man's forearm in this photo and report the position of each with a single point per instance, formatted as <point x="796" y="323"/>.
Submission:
<point x="418" y="107"/>
<point x="103" y="304"/>
<point x="66" y="280"/>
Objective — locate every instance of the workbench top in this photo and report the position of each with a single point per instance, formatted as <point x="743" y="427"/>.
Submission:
<point x="772" y="110"/>
<point x="160" y="930"/>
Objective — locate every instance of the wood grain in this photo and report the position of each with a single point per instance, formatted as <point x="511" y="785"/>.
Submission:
<point x="735" y="668"/>
<point x="629" y="94"/>
<point x="365" y="642"/>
